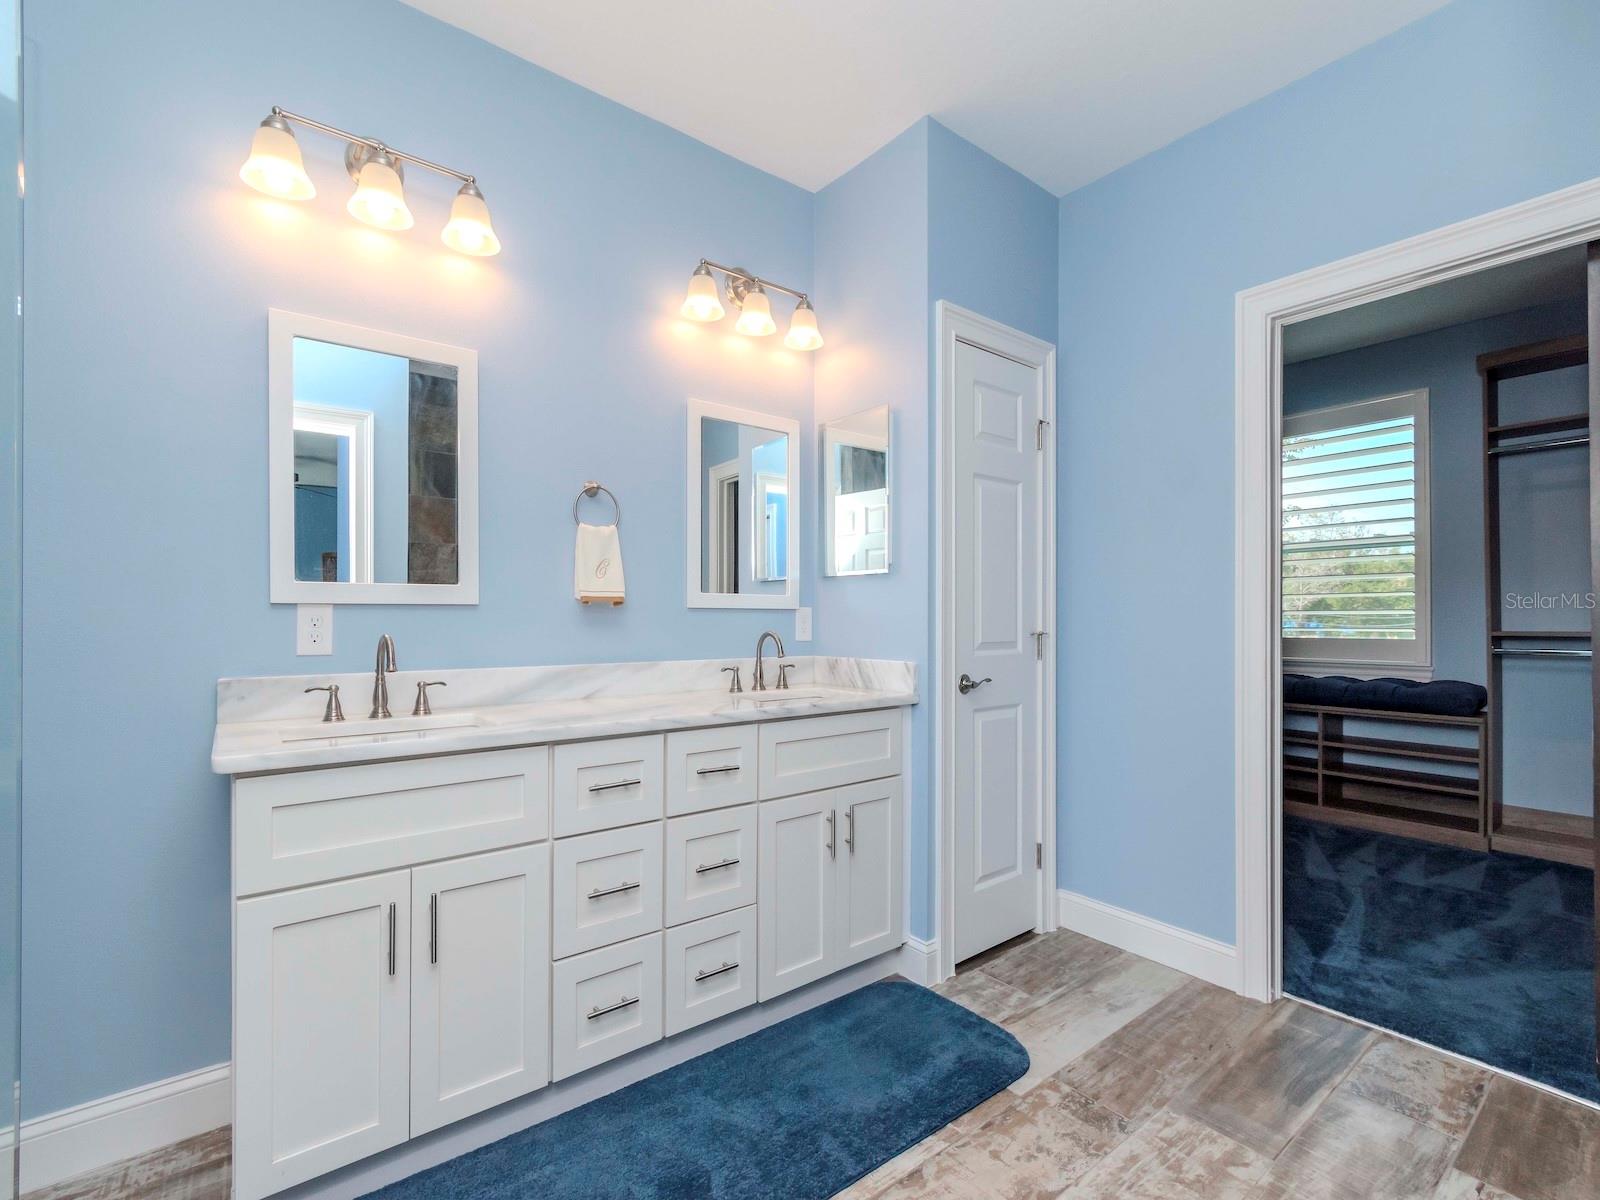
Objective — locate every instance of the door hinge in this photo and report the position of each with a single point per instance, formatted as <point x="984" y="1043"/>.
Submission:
<point x="1038" y="643"/>
<point x="1038" y="854"/>
<point x="1039" y="433"/>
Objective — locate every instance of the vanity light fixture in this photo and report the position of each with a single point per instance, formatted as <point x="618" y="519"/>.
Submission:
<point x="748" y="293"/>
<point x="275" y="168"/>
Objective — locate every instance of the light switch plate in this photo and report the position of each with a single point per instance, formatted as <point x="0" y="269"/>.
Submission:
<point x="313" y="629"/>
<point x="802" y="624"/>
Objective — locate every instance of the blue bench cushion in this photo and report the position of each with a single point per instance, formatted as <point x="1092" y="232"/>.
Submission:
<point x="1441" y="697"/>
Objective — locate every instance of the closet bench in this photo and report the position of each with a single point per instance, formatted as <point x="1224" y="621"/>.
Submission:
<point x="1399" y="770"/>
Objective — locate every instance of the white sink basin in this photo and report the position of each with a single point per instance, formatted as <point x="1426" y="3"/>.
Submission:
<point x="774" y="699"/>
<point x="413" y="727"/>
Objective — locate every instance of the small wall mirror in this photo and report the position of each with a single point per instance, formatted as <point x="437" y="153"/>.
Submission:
<point x="743" y="535"/>
<point x="855" y="494"/>
<point x="373" y="463"/>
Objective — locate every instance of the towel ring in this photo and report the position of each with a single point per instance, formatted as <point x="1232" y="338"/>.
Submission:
<point x="591" y="488"/>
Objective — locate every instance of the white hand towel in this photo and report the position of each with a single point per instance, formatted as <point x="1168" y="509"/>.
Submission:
<point x="597" y="565"/>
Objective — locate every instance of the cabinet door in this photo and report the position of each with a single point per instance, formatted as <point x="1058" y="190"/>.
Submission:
<point x="870" y="869"/>
<point x="321" y="1040"/>
<point x="798" y="855"/>
<point x="480" y="1008"/>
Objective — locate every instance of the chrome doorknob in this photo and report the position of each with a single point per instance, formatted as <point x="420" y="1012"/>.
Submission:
<point x="968" y="683"/>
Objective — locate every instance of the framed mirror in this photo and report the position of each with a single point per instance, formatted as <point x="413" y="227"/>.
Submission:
<point x="373" y="466"/>
<point x="855" y="494"/>
<point x="743" y="538"/>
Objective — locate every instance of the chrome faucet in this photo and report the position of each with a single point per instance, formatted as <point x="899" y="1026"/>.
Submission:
<point x="760" y="684"/>
<point x="380" y="685"/>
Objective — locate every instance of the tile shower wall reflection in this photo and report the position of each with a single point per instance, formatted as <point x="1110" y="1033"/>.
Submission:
<point x="432" y="552"/>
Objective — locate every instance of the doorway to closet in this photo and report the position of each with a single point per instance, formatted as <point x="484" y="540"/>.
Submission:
<point x="1436" y="569"/>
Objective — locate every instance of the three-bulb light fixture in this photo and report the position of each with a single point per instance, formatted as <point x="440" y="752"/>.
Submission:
<point x="275" y="168"/>
<point x="748" y="293"/>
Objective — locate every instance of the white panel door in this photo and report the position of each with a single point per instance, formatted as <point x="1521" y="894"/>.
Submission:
<point x="480" y="996"/>
<point x="797" y="850"/>
<point x="321" y="1037"/>
<point x="997" y="575"/>
<point x="869" y="877"/>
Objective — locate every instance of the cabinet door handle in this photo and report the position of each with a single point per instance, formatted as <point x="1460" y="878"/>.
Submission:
<point x="850" y="828"/>
<point x="433" y="929"/>
<point x="602" y="893"/>
<point x="600" y="1011"/>
<point x="611" y="787"/>
<point x="713" y="972"/>
<point x="832" y="851"/>
<point x="391" y="938"/>
<point x="716" y="866"/>
<point x="717" y="770"/>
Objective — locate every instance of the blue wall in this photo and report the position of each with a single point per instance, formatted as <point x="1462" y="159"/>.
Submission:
<point x="1458" y="114"/>
<point x="1546" y="727"/>
<point x="150" y="272"/>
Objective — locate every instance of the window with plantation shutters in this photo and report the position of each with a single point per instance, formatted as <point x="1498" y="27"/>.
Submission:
<point x="1355" y="535"/>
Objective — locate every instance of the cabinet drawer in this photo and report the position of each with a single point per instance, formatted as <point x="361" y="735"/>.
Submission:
<point x="710" y="768"/>
<point x="605" y="784"/>
<point x="607" y="887"/>
<point x="711" y="969"/>
<point x="310" y="826"/>
<point x="606" y="1003"/>
<point x="711" y="863"/>
<point x="824" y="752"/>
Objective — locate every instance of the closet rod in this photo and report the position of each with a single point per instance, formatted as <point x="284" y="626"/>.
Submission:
<point x="1521" y="652"/>
<point x="1527" y="447"/>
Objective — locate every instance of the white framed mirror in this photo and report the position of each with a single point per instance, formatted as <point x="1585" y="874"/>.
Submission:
<point x="372" y="466"/>
<point x="742" y="542"/>
<point x="856" y="494"/>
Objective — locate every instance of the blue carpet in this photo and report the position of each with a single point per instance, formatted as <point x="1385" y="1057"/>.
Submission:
<point x="1488" y="955"/>
<point x="801" y="1109"/>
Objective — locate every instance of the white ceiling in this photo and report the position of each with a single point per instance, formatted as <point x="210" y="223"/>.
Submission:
<point x="1065" y="91"/>
<point x="1549" y="277"/>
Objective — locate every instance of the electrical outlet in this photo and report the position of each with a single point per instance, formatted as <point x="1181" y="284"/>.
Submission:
<point x="313" y="629"/>
<point x="802" y="624"/>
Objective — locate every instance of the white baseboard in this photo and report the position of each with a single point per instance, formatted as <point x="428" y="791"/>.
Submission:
<point x="919" y="961"/>
<point x="62" y="1144"/>
<point x="1193" y="954"/>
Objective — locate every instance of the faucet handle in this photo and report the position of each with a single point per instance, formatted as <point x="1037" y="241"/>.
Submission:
<point x="334" y="711"/>
<point x="783" y="674"/>
<point x="734" y="685"/>
<point x="423" y="708"/>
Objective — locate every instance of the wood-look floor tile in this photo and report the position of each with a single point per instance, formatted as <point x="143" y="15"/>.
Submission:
<point x="987" y="996"/>
<point x="197" y="1168"/>
<point x="1061" y="1029"/>
<point x="1266" y="1089"/>
<point x="1419" y="1083"/>
<point x="1458" y="1185"/>
<point x="1152" y="1058"/>
<point x="1355" y="1149"/>
<point x="897" y="1168"/>
<point x="1534" y="1145"/>
<point x="1048" y="965"/>
<point x="941" y="1177"/>
<point x="1041" y="1145"/>
<point x="1171" y="1157"/>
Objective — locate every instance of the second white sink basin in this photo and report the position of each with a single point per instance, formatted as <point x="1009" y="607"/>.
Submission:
<point x="323" y="731"/>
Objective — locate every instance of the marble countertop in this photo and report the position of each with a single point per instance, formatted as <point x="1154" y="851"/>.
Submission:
<point x="504" y="707"/>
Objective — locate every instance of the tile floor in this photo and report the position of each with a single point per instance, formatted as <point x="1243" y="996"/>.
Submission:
<point x="1149" y="1084"/>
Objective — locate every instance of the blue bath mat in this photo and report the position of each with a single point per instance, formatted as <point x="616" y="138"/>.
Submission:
<point x="799" y="1110"/>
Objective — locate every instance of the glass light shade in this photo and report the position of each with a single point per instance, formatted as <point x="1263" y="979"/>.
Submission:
<point x="274" y="166"/>
<point x="379" y="200"/>
<point x="803" y="333"/>
<point x="468" y="229"/>
<point x="756" y="319"/>
<point x="702" y="303"/>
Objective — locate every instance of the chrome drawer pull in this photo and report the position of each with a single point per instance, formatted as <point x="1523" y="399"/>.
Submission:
<point x="602" y="893"/>
<point x="702" y="976"/>
<point x="609" y="787"/>
<point x="598" y="1011"/>
<point x="716" y="866"/>
<point x="716" y="770"/>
